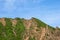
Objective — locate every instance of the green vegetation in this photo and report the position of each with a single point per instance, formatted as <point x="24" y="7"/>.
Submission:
<point x="1" y="32"/>
<point x="50" y="27"/>
<point x="19" y="29"/>
<point x="6" y="32"/>
<point x="40" y="23"/>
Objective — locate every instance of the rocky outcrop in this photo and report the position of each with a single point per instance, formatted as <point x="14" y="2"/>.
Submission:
<point x="2" y="20"/>
<point x="33" y="31"/>
<point x="14" y="22"/>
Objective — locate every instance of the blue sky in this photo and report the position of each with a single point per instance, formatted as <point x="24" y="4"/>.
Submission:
<point x="46" y="10"/>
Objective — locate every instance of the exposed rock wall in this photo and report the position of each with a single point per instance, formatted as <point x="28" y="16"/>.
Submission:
<point x="33" y="32"/>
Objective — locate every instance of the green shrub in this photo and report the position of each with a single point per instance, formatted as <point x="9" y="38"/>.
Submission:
<point x="8" y="29"/>
<point x="19" y="29"/>
<point x="2" y="37"/>
<point x="40" y="23"/>
<point x="50" y="27"/>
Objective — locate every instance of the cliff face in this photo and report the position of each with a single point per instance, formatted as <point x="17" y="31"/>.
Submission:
<point x="22" y="29"/>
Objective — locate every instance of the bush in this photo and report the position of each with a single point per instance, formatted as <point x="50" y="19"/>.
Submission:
<point x="8" y="29"/>
<point x="19" y="29"/>
<point x="40" y="23"/>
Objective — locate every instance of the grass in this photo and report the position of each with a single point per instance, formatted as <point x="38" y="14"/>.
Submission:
<point x="1" y="31"/>
<point x="8" y="30"/>
<point x="40" y="23"/>
<point x="19" y="29"/>
<point x="50" y="27"/>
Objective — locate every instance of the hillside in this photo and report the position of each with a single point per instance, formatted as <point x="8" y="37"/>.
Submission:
<point x="23" y="29"/>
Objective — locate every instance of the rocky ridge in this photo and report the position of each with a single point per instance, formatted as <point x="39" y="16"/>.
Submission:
<point x="33" y="29"/>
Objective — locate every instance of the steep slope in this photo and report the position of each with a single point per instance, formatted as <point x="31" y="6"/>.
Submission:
<point x="22" y="29"/>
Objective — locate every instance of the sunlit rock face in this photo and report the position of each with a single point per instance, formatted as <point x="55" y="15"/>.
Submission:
<point x="23" y="29"/>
